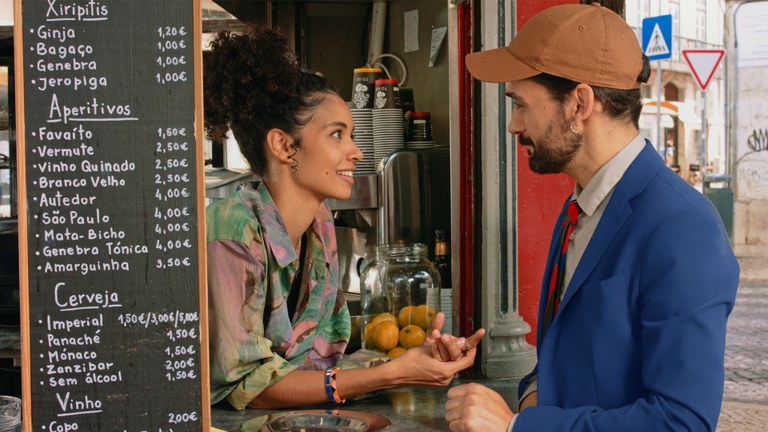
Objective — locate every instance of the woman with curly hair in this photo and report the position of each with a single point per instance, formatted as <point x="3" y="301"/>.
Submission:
<point x="278" y="320"/>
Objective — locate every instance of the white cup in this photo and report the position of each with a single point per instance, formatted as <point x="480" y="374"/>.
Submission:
<point x="10" y="413"/>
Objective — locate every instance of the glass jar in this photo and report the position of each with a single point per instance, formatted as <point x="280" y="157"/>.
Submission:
<point x="400" y="286"/>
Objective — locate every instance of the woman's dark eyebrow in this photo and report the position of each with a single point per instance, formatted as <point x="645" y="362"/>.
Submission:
<point x="337" y="123"/>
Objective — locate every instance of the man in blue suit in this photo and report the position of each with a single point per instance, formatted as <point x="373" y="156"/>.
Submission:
<point x="635" y="298"/>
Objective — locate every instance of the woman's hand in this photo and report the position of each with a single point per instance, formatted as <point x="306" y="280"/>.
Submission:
<point x="417" y="366"/>
<point x="436" y="362"/>
<point x="446" y="347"/>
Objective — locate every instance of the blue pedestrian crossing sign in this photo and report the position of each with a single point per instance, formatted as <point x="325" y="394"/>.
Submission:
<point x="657" y="37"/>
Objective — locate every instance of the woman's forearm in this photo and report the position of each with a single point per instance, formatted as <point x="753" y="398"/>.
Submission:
<point x="303" y="387"/>
<point x="415" y="367"/>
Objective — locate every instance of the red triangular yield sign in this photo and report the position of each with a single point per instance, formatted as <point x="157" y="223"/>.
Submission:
<point x="703" y="63"/>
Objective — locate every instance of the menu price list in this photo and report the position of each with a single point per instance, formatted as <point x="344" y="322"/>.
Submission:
<point x="112" y="215"/>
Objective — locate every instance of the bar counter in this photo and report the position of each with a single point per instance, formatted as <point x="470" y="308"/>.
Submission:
<point x="408" y="408"/>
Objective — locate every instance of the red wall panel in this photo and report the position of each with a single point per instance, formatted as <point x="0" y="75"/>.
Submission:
<point x="539" y="199"/>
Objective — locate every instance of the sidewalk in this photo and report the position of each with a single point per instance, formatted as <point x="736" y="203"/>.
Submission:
<point x="745" y="400"/>
<point x="743" y="417"/>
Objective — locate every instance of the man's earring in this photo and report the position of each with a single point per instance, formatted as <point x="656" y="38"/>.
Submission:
<point x="574" y="130"/>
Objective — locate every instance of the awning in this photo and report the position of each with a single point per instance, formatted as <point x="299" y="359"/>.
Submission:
<point x="669" y="109"/>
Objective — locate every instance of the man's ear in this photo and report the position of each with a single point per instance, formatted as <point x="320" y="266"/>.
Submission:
<point x="584" y="98"/>
<point x="279" y="144"/>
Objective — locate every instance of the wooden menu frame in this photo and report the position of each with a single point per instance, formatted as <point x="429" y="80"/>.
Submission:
<point x="53" y="176"/>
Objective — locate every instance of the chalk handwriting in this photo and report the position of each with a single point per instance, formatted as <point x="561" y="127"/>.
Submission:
<point x="66" y="11"/>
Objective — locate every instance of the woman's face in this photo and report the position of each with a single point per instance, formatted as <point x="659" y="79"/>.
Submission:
<point x="327" y="157"/>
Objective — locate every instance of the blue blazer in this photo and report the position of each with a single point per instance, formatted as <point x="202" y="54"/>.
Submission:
<point x="639" y="341"/>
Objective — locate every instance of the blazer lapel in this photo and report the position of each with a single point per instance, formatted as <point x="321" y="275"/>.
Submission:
<point x="616" y="214"/>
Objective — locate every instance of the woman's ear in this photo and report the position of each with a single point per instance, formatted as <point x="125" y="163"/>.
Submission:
<point x="279" y="145"/>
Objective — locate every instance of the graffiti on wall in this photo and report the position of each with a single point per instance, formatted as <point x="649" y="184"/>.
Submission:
<point x="758" y="141"/>
<point x="752" y="165"/>
<point x="753" y="177"/>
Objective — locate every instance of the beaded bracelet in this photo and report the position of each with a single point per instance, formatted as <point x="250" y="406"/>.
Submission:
<point x="330" y="386"/>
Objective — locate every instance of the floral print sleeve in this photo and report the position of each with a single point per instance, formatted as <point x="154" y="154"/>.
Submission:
<point x="251" y="264"/>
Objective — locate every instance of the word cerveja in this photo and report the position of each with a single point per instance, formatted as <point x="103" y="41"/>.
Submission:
<point x="83" y="299"/>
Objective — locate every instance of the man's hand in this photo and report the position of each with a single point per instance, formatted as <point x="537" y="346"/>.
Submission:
<point x="473" y="407"/>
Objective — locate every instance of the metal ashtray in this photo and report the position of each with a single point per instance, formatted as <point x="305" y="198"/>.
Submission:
<point x="325" y="421"/>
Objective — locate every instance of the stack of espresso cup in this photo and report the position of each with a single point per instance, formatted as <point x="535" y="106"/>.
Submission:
<point x="387" y="119"/>
<point x="409" y="105"/>
<point x="419" y="130"/>
<point x="363" y="95"/>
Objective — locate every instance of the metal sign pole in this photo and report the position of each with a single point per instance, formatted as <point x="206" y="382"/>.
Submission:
<point x="703" y="133"/>
<point x="659" y="143"/>
<point x="657" y="45"/>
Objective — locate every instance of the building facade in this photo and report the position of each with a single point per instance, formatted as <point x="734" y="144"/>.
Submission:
<point x="747" y="119"/>
<point x="688" y="125"/>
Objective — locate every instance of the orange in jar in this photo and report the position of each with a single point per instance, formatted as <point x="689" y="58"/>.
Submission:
<point x="423" y="315"/>
<point x="384" y="316"/>
<point x="396" y="352"/>
<point x="405" y="316"/>
<point x="386" y="335"/>
<point x="368" y="333"/>
<point x="411" y="336"/>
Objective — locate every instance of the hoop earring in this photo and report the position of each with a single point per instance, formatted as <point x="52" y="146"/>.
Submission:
<point x="574" y="130"/>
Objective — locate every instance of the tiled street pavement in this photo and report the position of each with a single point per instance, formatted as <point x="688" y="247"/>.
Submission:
<point x="745" y="402"/>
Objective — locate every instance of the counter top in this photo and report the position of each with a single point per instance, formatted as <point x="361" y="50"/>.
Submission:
<point x="408" y="408"/>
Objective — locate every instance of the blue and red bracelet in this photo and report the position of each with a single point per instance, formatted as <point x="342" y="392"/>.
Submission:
<point x="330" y="386"/>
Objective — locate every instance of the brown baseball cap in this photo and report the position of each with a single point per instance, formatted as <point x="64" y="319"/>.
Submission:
<point x="584" y="43"/>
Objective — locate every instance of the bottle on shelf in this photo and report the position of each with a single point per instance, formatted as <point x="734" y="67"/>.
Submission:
<point x="443" y="258"/>
<point x="442" y="262"/>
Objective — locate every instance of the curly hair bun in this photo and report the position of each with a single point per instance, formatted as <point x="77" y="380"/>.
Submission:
<point x="247" y="76"/>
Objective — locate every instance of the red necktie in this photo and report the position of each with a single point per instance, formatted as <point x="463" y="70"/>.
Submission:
<point x="556" y="282"/>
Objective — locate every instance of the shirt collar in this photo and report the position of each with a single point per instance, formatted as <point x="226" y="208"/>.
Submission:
<point x="606" y="178"/>
<point x="276" y="235"/>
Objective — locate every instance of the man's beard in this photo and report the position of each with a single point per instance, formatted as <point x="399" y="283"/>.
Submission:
<point x="554" y="149"/>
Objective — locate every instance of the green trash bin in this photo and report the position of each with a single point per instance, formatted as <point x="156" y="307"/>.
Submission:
<point x="718" y="189"/>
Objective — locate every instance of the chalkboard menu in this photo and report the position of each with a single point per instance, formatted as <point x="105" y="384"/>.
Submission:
<point x="115" y="328"/>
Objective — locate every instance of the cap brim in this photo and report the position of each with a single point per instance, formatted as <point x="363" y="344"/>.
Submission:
<point x="498" y="65"/>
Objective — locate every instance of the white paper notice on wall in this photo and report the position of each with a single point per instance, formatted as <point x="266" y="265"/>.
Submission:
<point x="411" y="30"/>
<point x="751" y="34"/>
<point x="438" y="36"/>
